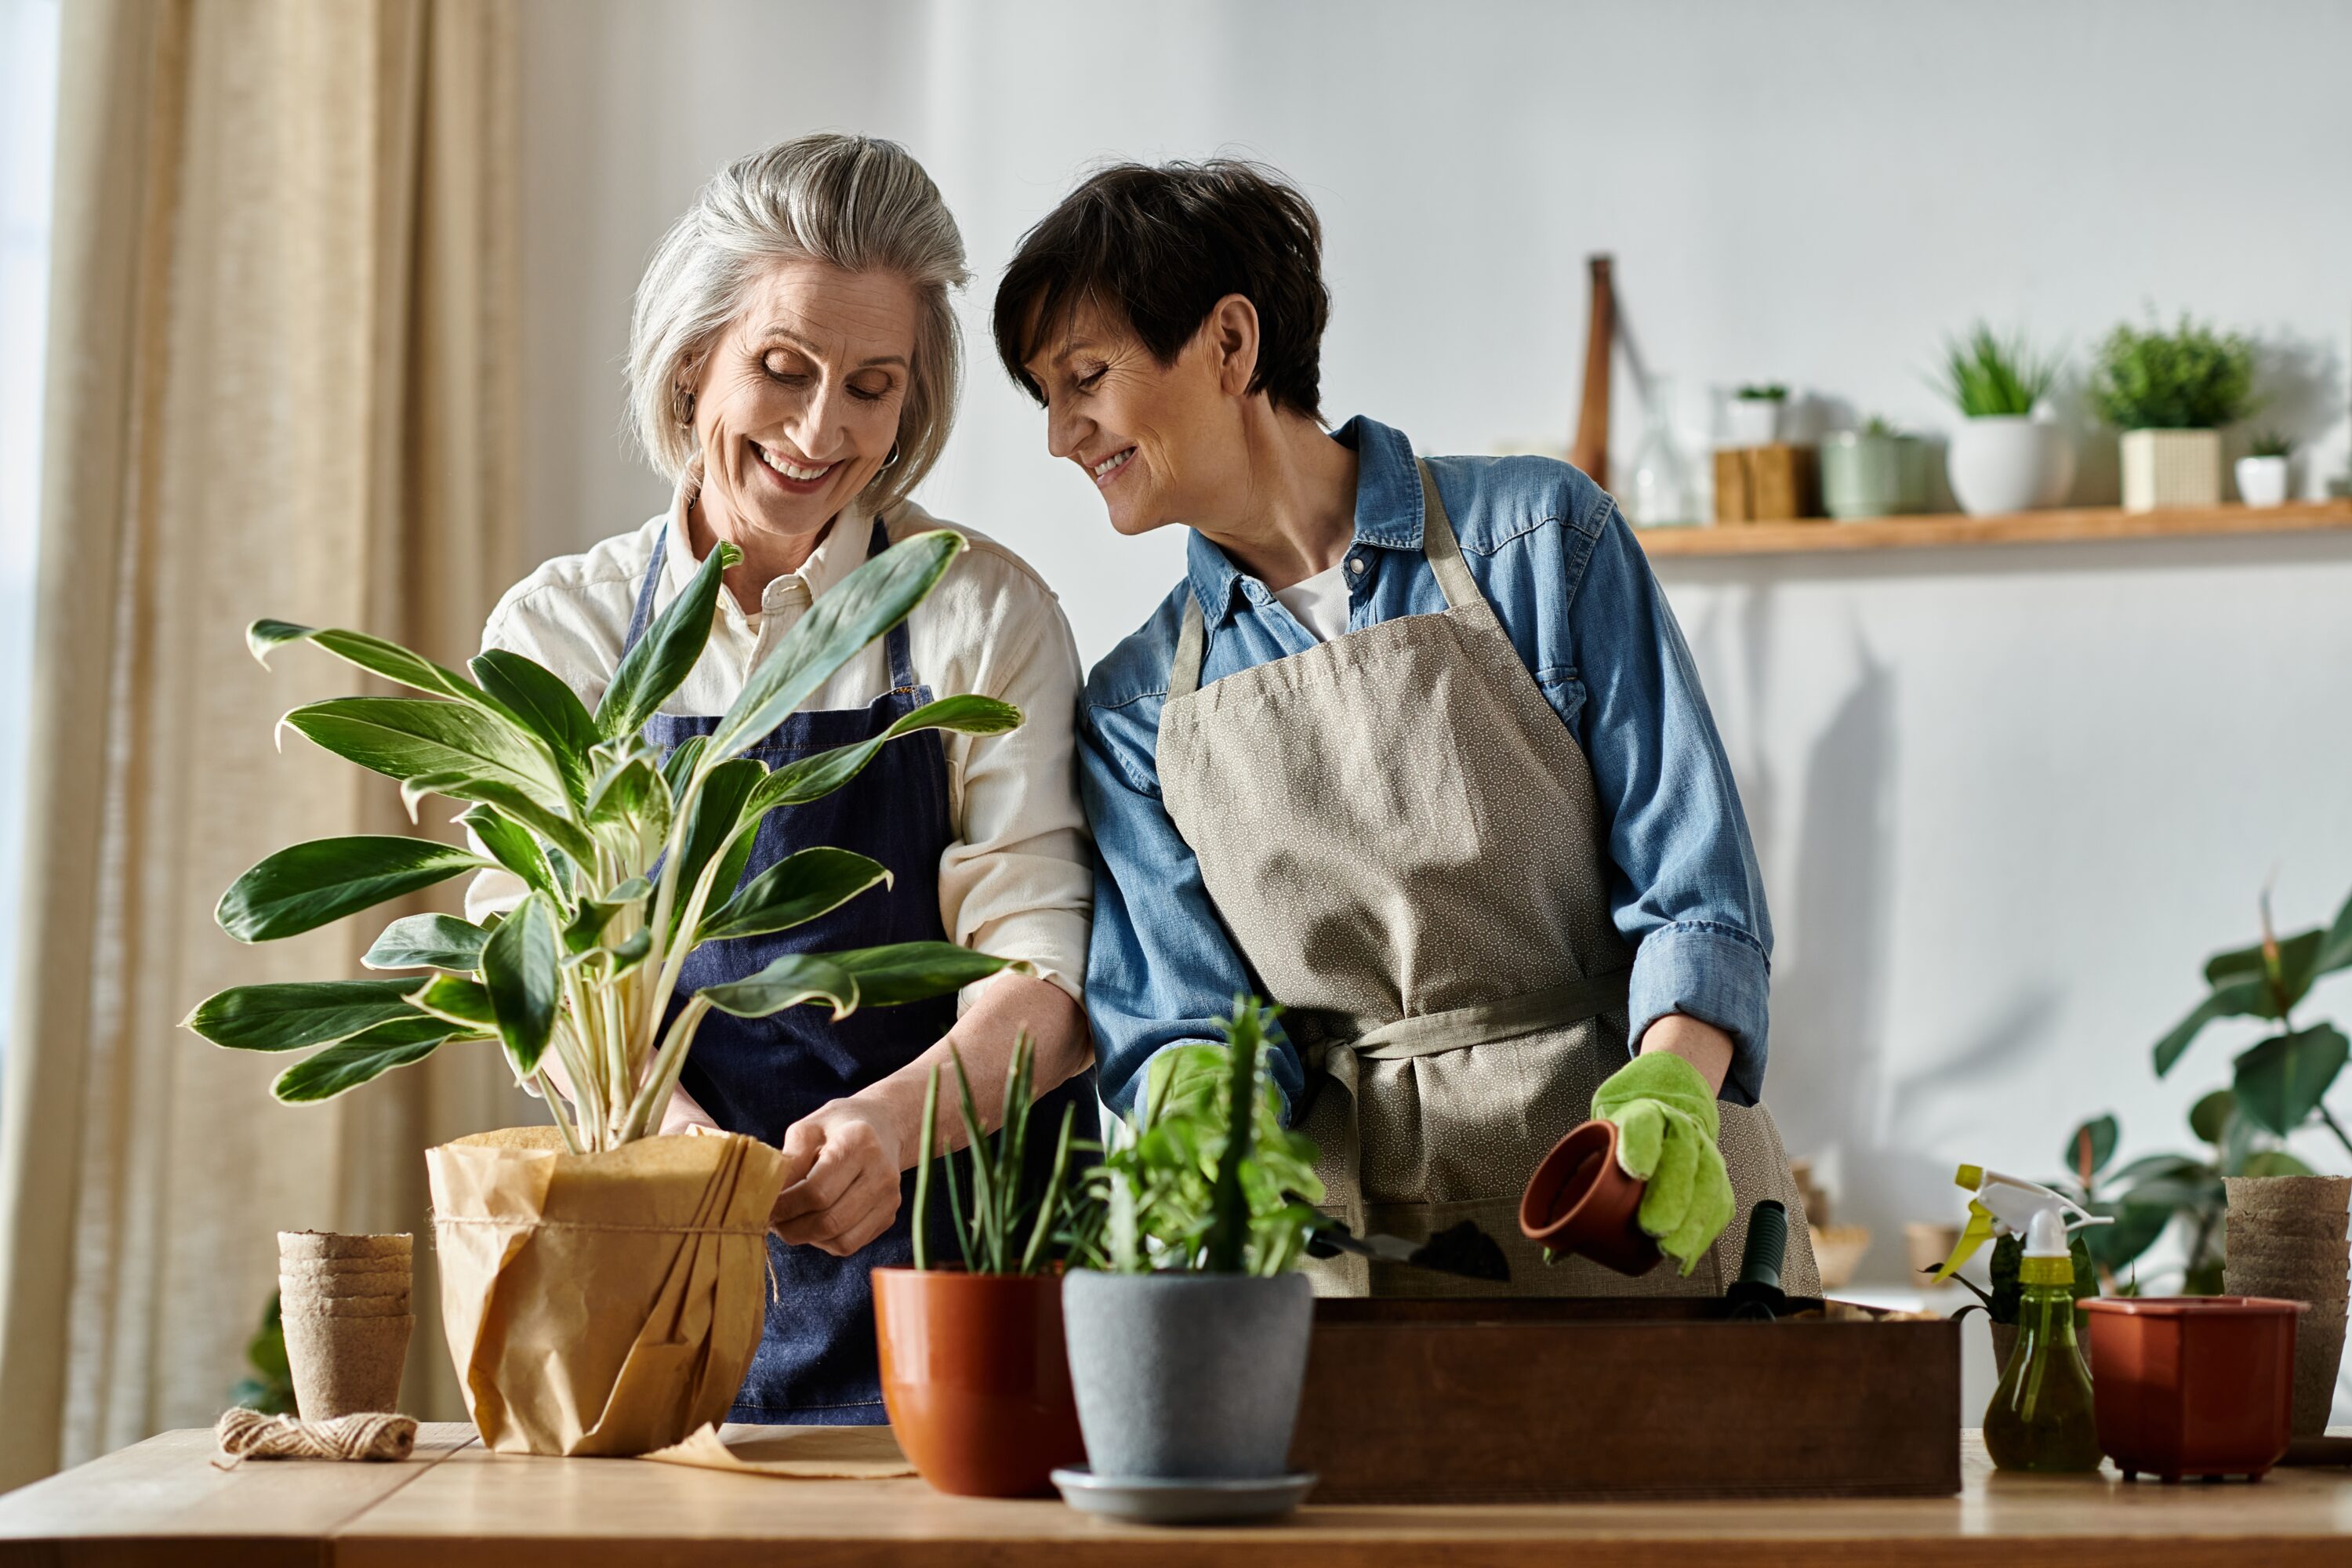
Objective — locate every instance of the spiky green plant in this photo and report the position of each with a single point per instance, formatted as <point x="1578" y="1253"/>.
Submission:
<point x="2271" y="444"/>
<point x="631" y="859"/>
<point x="1987" y="376"/>
<point x="990" y="1229"/>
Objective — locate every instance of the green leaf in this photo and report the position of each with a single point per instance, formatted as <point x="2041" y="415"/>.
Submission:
<point x="2103" y="1134"/>
<point x="812" y="778"/>
<point x="508" y="801"/>
<point x="350" y="1063"/>
<point x="632" y="797"/>
<point x="305" y="887"/>
<point x="660" y="660"/>
<point x="2299" y="965"/>
<point x="409" y="737"/>
<point x="794" y="978"/>
<point x="2238" y="998"/>
<point x="796" y="890"/>
<point x="374" y="654"/>
<point x="428" y="942"/>
<point x="595" y="914"/>
<point x="632" y="952"/>
<point x="514" y="849"/>
<point x="2138" y="1225"/>
<point x="917" y="970"/>
<point x="2335" y="952"/>
<point x="678" y="766"/>
<point x="550" y="709"/>
<point x="2275" y="1163"/>
<point x="2210" y="1116"/>
<point x="461" y="1001"/>
<point x="861" y="607"/>
<point x="519" y="973"/>
<point x="2280" y="1080"/>
<point x="286" y="1015"/>
<point x="717" y="810"/>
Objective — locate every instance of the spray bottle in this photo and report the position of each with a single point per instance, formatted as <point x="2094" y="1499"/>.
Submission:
<point x="2040" y="1417"/>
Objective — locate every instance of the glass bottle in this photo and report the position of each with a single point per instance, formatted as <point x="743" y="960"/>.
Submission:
<point x="2041" y="1417"/>
<point x="1660" y="489"/>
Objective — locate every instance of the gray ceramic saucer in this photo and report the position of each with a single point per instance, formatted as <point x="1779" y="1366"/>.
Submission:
<point x="1142" y="1501"/>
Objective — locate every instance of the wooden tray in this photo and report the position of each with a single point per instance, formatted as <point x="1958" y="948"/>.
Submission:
<point x="1535" y="1400"/>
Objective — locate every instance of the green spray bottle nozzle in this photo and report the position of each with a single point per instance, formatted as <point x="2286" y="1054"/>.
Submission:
<point x="2007" y="1205"/>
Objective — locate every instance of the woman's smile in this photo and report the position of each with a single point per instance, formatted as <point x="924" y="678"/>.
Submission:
<point x="790" y="474"/>
<point x="1105" y="470"/>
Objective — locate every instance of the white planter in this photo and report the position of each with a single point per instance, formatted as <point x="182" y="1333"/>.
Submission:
<point x="1755" y="421"/>
<point x="2172" y="469"/>
<point x="2262" y="481"/>
<point x="2010" y="462"/>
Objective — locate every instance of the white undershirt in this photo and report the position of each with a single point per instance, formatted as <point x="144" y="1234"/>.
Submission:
<point x="1320" y="603"/>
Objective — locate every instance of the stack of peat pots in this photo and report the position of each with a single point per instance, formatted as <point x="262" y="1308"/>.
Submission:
<point x="344" y="1300"/>
<point x="2287" y="1239"/>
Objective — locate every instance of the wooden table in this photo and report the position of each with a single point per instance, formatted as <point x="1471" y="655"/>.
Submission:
<point x="458" y="1506"/>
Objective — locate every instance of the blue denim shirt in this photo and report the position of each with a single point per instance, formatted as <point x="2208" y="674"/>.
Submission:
<point x="1555" y="558"/>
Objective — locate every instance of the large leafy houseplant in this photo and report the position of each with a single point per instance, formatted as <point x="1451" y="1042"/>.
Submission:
<point x="630" y="859"/>
<point x="2191" y="378"/>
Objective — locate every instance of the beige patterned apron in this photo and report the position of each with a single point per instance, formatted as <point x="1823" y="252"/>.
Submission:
<point x="1404" y="838"/>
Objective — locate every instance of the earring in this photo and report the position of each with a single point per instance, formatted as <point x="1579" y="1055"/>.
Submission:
<point x="682" y="405"/>
<point x="891" y="461"/>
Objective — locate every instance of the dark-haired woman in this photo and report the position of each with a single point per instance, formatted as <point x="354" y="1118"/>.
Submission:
<point x="1415" y="748"/>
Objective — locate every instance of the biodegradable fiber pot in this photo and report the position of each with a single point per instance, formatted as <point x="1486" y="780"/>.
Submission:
<point x="602" y="1303"/>
<point x="1188" y="1377"/>
<point x="2285" y="1238"/>
<point x="2008" y="462"/>
<point x="2172" y="468"/>
<point x="344" y="1304"/>
<point x="2193" y="1385"/>
<point x="976" y="1377"/>
<point x="1581" y="1201"/>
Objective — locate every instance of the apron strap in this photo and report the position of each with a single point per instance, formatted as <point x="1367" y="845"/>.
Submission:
<point x="1437" y="542"/>
<point x="1505" y="1017"/>
<point x="901" y="650"/>
<point x="643" y="616"/>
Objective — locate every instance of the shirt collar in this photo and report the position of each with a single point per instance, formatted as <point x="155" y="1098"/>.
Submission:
<point x="841" y="552"/>
<point x="1387" y="513"/>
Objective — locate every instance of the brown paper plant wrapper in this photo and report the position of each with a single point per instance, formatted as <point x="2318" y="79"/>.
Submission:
<point x="804" y="1453"/>
<point x="605" y="1304"/>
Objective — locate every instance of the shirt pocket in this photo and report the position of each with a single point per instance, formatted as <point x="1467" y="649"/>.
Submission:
<point x="1564" y="690"/>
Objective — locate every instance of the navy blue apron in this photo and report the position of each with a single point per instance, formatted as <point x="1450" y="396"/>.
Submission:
<point x="816" y="1363"/>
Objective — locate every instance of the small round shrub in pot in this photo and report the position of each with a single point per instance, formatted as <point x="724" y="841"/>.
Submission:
<point x="1188" y="1343"/>
<point x="2007" y="455"/>
<point x="2169" y="394"/>
<point x="2263" y="478"/>
<point x="1754" y="413"/>
<point x="975" y="1373"/>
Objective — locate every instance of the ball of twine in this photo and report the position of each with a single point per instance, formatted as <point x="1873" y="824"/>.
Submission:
<point x="377" y="1434"/>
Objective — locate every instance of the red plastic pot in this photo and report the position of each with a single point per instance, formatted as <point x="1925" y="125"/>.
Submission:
<point x="2193" y="1385"/>
<point x="976" y="1378"/>
<point x="1581" y="1201"/>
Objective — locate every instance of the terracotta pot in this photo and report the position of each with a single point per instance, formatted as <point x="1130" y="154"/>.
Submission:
<point x="1581" y="1201"/>
<point x="2193" y="1385"/>
<point x="976" y="1378"/>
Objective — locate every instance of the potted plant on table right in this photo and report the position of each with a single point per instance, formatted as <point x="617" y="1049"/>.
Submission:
<point x="2263" y="478"/>
<point x="1755" y="413"/>
<point x="2169" y="394"/>
<point x="2008" y="454"/>
<point x="1187" y="1339"/>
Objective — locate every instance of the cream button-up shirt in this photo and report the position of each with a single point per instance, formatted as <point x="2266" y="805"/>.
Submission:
<point x="1018" y="881"/>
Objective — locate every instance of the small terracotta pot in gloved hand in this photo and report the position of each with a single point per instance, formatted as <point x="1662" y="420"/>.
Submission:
<point x="1581" y="1201"/>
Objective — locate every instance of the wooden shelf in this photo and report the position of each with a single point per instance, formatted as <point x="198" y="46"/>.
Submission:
<point x="1933" y="530"/>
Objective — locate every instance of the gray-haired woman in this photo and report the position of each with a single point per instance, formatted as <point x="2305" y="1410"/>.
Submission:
<point x="793" y="369"/>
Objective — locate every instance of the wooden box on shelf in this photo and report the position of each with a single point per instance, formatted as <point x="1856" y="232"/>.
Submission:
<point x="1778" y="483"/>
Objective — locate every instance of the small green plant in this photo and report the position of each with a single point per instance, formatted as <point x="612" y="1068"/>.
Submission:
<point x="1987" y="376"/>
<point x="2192" y="378"/>
<point x="1879" y="424"/>
<point x="2271" y="444"/>
<point x="1762" y="391"/>
<point x="1202" y="1176"/>
<point x="991" y="1227"/>
<point x="267" y="1385"/>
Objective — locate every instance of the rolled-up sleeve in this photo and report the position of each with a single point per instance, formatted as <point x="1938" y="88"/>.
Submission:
<point x="1684" y="886"/>
<point x="1162" y="970"/>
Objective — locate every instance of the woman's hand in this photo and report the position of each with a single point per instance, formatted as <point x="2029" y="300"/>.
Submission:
<point x="842" y="1163"/>
<point x="1702" y="1045"/>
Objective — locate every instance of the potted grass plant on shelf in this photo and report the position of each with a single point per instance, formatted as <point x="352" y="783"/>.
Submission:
<point x="1754" y="413"/>
<point x="2263" y="474"/>
<point x="2169" y="394"/>
<point x="1188" y="1332"/>
<point x="630" y="860"/>
<point x="2008" y="454"/>
<point x="975" y="1374"/>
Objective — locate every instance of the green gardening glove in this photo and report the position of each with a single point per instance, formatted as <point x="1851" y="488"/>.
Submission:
<point x="1666" y="1128"/>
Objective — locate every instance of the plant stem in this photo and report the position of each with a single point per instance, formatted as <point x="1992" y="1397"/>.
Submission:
<point x="2336" y="1127"/>
<point x="655" y="1094"/>
<point x="555" y="1109"/>
<point x="923" y="1170"/>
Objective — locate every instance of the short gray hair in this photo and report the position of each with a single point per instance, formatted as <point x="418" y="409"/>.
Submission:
<point x="853" y="202"/>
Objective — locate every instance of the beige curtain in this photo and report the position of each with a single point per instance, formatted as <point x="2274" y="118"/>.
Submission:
<point x="280" y="377"/>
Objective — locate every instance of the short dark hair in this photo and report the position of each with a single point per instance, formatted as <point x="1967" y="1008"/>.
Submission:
<point x="1164" y="244"/>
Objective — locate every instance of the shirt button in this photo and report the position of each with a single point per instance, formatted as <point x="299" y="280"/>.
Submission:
<point x="1356" y="564"/>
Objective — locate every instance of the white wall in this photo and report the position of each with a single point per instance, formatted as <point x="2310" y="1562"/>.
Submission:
<point x="2007" y="800"/>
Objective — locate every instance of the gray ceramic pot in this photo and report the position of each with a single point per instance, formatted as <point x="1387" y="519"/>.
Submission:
<point x="1187" y="1376"/>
